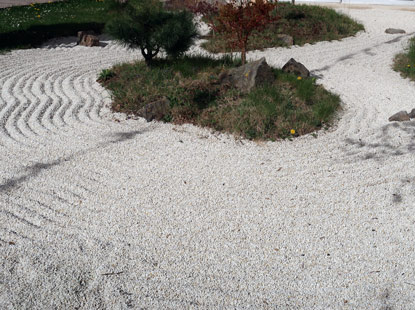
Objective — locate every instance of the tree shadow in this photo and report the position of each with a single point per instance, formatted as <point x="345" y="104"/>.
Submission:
<point x="384" y="147"/>
<point x="34" y="170"/>
<point x="368" y="51"/>
<point x="35" y="36"/>
<point x="394" y="140"/>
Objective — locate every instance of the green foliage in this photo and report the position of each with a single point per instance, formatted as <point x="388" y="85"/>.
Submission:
<point x="305" y="23"/>
<point x="405" y="62"/>
<point x="146" y="25"/>
<point x="236" y="20"/>
<point x="105" y="75"/>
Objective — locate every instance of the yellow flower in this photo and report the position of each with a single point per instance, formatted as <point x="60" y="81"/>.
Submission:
<point x="246" y="74"/>
<point x="38" y="16"/>
<point x="408" y="66"/>
<point x="292" y="131"/>
<point x="299" y="78"/>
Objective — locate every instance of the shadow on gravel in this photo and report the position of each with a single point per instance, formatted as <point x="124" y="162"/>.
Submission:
<point x="384" y="147"/>
<point x="367" y="51"/>
<point x="36" y="35"/>
<point x="407" y="185"/>
<point x="35" y="169"/>
<point x="388" y="145"/>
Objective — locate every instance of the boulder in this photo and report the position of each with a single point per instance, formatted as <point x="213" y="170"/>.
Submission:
<point x="83" y="33"/>
<point x="248" y="76"/>
<point x="412" y="114"/>
<point x="394" y="31"/>
<point x="286" y="39"/>
<point x="399" y="117"/>
<point x="155" y="110"/>
<point x="87" y="38"/>
<point x="297" y="68"/>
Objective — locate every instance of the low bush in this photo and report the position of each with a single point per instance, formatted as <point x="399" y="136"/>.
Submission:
<point x="146" y="25"/>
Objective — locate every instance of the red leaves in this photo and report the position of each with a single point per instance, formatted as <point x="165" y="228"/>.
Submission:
<point x="236" y="19"/>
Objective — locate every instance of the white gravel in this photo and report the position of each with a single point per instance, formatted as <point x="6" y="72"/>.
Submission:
<point x="99" y="212"/>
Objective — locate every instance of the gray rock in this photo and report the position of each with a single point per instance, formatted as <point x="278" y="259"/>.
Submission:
<point x="247" y="77"/>
<point x="297" y="68"/>
<point x="412" y="114"/>
<point x="394" y="31"/>
<point x="87" y="38"/>
<point x="286" y="39"/>
<point x="399" y="117"/>
<point x="155" y="110"/>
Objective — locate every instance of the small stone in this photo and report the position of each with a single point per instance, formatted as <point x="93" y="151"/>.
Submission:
<point x="399" y="117"/>
<point x="286" y="39"/>
<point x="412" y="114"/>
<point x="297" y="68"/>
<point x="394" y="31"/>
<point x="248" y="76"/>
<point x="155" y="110"/>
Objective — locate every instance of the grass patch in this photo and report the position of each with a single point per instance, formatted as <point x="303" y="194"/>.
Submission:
<point x="191" y="84"/>
<point x="405" y="62"/>
<point x="30" y="26"/>
<point x="305" y="23"/>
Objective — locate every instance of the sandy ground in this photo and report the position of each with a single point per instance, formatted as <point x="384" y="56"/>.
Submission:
<point x="100" y="212"/>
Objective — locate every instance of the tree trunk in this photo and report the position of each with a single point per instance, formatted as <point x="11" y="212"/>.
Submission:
<point x="243" y="54"/>
<point x="149" y="54"/>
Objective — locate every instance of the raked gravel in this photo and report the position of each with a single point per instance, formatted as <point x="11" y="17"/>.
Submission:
<point x="102" y="212"/>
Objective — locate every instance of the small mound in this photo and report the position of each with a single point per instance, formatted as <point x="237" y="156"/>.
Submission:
<point x="304" y="23"/>
<point x="288" y="106"/>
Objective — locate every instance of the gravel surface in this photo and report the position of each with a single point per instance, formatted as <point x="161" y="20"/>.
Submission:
<point x="9" y="3"/>
<point x="102" y="212"/>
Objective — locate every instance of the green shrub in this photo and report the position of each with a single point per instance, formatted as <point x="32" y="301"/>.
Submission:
<point x="146" y="25"/>
<point x="405" y="62"/>
<point x="105" y="75"/>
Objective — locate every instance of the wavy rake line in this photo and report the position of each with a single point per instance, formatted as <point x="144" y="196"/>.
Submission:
<point x="93" y="88"/>
<point x="85" y="109"/>
<point x="28" y="212"/>
<point x="81" y="99"/>
<point x="49" y="102"/>
<point x="57" y="101"/>
<point x="72" y="100"/>
<point x="11" y="133"/>
<point x="3" y="101"/>
<point x="49" y="99"/>
<point x="9" y="234"/>
<point x="13" y="216"/>
<point x="34" y="104"/>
